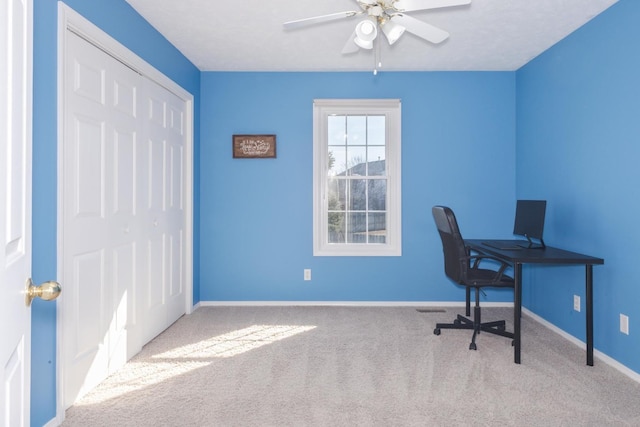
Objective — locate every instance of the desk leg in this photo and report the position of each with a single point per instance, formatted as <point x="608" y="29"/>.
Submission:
<point x="589" y="296"/>
<point x="517" y="310"/>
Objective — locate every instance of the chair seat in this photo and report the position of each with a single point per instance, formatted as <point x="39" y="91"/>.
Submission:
<point x="479" y="277"/>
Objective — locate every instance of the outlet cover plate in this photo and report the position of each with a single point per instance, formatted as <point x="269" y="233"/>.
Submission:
<point x="624" y="324"/>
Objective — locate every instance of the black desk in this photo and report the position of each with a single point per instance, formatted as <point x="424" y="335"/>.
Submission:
<point x="548" y="255"/>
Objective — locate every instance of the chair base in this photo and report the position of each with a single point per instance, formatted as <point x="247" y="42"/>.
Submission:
<point x="497" y="328"/>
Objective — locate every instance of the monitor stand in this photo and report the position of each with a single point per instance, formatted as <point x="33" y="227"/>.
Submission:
<point x="532" y="245"/>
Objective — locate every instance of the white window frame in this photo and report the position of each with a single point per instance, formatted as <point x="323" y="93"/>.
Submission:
<point x="322" y="109"/>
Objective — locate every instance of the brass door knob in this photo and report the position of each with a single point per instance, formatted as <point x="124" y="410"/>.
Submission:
<point x="47" y="291"/>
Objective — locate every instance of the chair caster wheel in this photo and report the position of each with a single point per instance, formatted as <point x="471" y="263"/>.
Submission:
<point x="472" y="346"/>
<point x="513" y="343"/>
<point x="456" y="322"/>
<point x="436" y="331"/>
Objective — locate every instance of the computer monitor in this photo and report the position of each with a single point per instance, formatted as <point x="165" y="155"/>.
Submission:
<point x="530" y="220"/>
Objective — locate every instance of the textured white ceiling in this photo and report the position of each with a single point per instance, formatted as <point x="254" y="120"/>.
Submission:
<point x="248" y="35"/>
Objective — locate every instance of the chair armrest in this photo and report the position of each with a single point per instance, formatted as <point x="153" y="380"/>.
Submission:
<point x="480" y="257"/>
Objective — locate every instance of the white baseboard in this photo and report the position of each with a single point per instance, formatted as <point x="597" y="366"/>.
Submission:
<point x="345" y="304"/>
<point x="55" y="422"/>
<point x="596" y="354"/>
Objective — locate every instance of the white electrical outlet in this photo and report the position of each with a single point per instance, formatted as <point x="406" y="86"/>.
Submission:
<point x="576" y="302"/>
<point x="307" y="274"/>
<point x="624" y="324"/>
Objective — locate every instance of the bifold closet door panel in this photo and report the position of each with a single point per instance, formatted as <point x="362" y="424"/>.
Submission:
<point x="100" y="224"/>
<point x="164" y="139"/>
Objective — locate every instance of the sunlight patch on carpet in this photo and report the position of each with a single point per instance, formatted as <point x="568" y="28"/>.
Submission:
<point x="138" y="375"/>
<point x="235" y="342"/>
<point x="135" y="376"/>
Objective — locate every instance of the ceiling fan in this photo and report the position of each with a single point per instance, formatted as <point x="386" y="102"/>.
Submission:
<point x="388" y="16"/>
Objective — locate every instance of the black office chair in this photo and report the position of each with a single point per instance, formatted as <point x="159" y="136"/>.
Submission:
<point x="464" y="269"/>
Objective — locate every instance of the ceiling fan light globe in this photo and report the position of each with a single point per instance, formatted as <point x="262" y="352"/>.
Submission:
<point x="366" y="30"/>
<point x="392" y="31"/>
<point x="365" y="44"/>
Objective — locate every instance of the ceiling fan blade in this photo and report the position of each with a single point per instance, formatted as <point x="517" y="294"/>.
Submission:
<point x="409" y="5"/>
<point x="350" y="46"/>
<point x="421" y="29"/>
<point x="318" y="19"/>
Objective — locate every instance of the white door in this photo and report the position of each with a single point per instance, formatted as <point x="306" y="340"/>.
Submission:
<point x="164" y="136"/>
<point x="123" y="214"/>
<point x="100" y="222"/>
<point x="15" y="209"/>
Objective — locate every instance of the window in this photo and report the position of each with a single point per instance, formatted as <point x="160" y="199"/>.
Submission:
<point x="356" y="159"/>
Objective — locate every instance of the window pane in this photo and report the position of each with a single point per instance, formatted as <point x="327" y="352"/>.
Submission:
<point x="356" y="130"/>
<point x="336" y="194"/>
<point x="336" y="127"/>
<point x="336" y="227"/>
<point x="337" y="162"/>
<point x="357" y="226"/>
<point x="377" y="194"/>
<point x="376" y="130"/>
<point x="377" y="228"/>
<point x="357" y="195"/>
<point x="377" y="168"/>
<point x="356" y="161"/>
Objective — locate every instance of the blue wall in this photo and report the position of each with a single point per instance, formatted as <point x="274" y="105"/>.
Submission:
<point x="458" y="148"/>
<point x="578" y="145"/>
<point x="119" y="20"/>
<point x="563" y="128"/>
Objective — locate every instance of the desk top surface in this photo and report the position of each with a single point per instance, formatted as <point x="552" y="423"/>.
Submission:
<point x="548" y="255"/>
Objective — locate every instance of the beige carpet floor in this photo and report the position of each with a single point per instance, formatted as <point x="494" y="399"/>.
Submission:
<point x="355" y="366"/>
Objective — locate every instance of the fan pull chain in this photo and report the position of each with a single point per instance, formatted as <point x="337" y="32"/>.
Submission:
<point x="377" y="57"/>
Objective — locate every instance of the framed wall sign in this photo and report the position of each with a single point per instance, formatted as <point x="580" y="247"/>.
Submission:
<point x="254" y="146"/>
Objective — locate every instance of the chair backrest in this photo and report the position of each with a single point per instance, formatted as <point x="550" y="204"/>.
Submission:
<point x="455" y="262"/>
